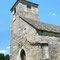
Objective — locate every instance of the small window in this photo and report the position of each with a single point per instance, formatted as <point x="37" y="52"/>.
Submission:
<point x="14" y="14"/>
<point x="28" y="6"/>
<point x="45" y="51"/>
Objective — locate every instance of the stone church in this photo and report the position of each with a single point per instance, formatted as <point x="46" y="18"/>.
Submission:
<point x="30" y="38"/>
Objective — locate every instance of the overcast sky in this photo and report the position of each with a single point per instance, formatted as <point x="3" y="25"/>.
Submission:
<point x="49" y="12"/>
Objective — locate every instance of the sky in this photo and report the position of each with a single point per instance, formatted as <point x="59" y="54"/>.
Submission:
<point x="49" y="12"/>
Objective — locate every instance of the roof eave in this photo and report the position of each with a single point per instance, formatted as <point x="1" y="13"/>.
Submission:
<point x="24" y="1"/>
<point x="14" y="5"/>
<point x="41" y="29"/>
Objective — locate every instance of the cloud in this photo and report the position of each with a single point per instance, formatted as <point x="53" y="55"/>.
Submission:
<point x="8" y="47"/>
<point x="53" y="14"/>
<point x="3" y="51"/>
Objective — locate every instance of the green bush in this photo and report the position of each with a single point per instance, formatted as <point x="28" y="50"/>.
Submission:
<point x="2" y="57"/>
<point x="7" y="57"/>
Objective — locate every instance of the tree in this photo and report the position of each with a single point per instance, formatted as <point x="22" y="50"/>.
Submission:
<point x="7" y="57"/>
<point x="2" y="57"/>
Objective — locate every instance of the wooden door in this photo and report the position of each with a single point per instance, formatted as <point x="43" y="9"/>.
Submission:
<point x="23" y="55"/>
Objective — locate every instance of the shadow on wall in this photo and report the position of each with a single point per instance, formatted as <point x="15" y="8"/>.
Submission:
<point x="44" y="33"/>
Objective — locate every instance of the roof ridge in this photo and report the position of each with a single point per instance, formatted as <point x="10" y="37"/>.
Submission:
<point x="42" y="26"/>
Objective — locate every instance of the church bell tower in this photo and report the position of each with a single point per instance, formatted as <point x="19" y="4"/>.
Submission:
<point x="25" y="9"/>
<point x="20" y="30"/>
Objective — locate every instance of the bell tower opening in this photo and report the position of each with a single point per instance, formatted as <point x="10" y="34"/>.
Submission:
<point x="23" y="55"/>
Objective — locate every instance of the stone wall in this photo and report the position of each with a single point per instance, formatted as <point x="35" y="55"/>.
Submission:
<point x="31" y="13"/>
<point x="54" y="43"/>
<point x="23" y="34"/>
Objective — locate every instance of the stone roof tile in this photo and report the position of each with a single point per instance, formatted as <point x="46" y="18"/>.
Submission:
<point x="42" y="26"/>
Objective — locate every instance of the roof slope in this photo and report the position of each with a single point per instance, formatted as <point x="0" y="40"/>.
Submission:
<point x="42" y="26"/>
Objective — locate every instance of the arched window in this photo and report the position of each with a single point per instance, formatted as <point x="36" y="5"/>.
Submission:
<point x="23" y="55"/>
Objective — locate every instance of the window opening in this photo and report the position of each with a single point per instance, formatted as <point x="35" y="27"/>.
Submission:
<point x="23" y="55"/>
<point x="28" y="6"/>
<point x="45" y="51"/>
<point x="14" y="15"/>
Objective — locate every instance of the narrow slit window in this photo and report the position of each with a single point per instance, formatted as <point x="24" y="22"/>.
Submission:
<point x="14" y="15"/>
<point x="45" y="51"/>
<point x="28" y="6"/>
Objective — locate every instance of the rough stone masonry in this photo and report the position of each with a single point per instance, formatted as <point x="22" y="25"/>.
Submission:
<point x="30" y="38"/>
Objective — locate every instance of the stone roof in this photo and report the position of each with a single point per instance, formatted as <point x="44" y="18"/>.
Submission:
<point x="42" y="26"/>
<point x="23" y="2"/>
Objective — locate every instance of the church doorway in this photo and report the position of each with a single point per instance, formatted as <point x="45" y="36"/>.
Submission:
<point x="23" y="55"/>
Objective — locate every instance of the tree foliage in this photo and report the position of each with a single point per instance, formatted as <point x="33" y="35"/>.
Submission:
<point x="3" y="57"/>
<point x="7" y="57"/>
